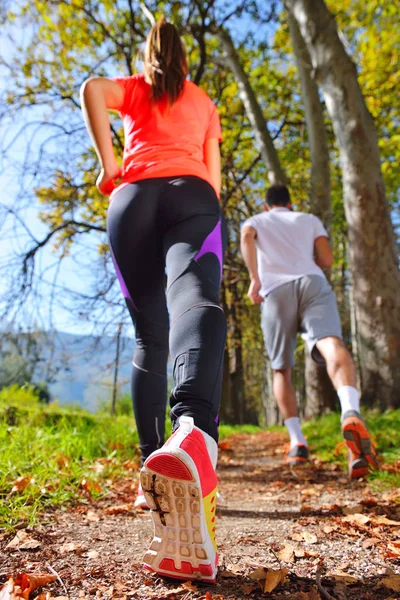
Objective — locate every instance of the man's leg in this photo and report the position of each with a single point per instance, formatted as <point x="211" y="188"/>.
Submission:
<point x="285" y="396"/>
<point x="322" y="332"/>
<point x="342" y="372"/>
<point x="279" y="320"/>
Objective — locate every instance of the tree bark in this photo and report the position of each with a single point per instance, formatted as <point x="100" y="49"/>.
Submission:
<point x="372" y="246"/>
<point x="253" y="110"/>
<point x="320" y="393"/>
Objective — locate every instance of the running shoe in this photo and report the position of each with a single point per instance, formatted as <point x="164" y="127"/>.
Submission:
<point x="360" y="447"/>
<point x="297" y="455"/>
<point x="180" y="487"/>
<point x="141" y="501"/>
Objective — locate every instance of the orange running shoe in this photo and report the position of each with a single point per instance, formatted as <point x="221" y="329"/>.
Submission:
<point x="180" y="487"/>
<point x="298" y="455"/>
<point x="361" y="451"/>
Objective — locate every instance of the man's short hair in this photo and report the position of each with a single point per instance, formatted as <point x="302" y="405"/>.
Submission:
<point x="277" y="195"/>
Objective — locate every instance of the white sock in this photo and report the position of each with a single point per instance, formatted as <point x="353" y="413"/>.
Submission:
<point x="349" y="398"/>
<point x="296" y="435"/>
<point x="186" y="426"/>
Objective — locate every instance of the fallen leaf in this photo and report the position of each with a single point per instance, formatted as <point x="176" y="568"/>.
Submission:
<point x="248" y="588"/>
<point x="20" y="484"/>
<point x="224" y="445"/>
<point x="357" y="519"/>
<point x="62" y="461"/>
<point x="93" y="554"/>
<point x="329" y="528"/>
<point x="310" y="492"/>
<point x="91" y="515"/>
<point x="23" y="541"/>
<point x="7" y="591"/>
<point x="342" y="577"/>
<point x="260" y="573"/>
<point x="313" y="594"/>
<point x="369" y="502"/>
<point x="28" y="583"/>
<point x="381" y="520"/>
<point x="274" y="578"/>
<point x="90" y="486"/>
<point x="120" y="509"/>
<point x="72" y="547"/>
<point x="391" y="583"/>
<point x="131" y="465"/>
<point x="368" y="543"/>
<point x="393" y="550"/>
<point x="286" y="553"/>
<point x="352" y="510"/>
<point x="305" y="536"/>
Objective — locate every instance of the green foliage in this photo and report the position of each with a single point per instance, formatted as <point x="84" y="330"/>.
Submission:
<point x="19" y="396"/>
<point x="324" y="436"/>
<point x="67" y="42"/>
<point x="123" y="406"/>
<point x="56" y="450"/>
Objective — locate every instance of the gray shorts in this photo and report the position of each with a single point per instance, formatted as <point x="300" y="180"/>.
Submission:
<point x="306" y="305"/>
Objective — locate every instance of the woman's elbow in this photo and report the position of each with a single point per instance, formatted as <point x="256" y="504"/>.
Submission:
<point x="88" y="86"/>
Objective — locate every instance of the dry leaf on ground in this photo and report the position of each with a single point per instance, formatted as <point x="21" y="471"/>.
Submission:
<point x="287" y="553"/>
<point x="310" y="492"/>
<point x="72" y="547"/>
<point x="92" y="516"/>
<point x="23" y="541"/>
<point x="391" y="583"/>
<point x="269" y="579"/>
<point x="305" y="536"/>
<point x="369" y="542"/>
<point x="93" y="554"/>
<point x="357" y="519"/>
<point x="313" y="594"/>
<point x="23" y="585"/>
<point x="7" y="591"/>
<point x="20" y="484"/>
<point x="342" y="577"/>
<point x="381" y="520"/>
<point x="90" y="486"/>
<point x="120" y="509"/>
<point x="393" y="550"/>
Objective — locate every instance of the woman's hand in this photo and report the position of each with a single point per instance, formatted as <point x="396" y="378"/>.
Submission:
<point x="106" y="180"/>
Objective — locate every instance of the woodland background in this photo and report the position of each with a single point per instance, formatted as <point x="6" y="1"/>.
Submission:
<point x="306" y="95"/>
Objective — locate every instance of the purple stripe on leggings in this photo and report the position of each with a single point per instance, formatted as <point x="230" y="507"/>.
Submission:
<point x="212" y="243"/>
<point x="122" y="283"/>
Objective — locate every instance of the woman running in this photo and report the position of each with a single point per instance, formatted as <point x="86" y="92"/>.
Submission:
<point x="165" y="216"/>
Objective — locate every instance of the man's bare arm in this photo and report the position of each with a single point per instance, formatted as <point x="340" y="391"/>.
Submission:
<point x="249" y="253"/>
<point x="323" y="253"/>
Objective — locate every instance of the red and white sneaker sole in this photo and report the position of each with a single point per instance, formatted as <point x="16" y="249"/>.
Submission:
<point x="181" y="547"/>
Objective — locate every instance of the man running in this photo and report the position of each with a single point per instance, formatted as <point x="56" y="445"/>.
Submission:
<point x="285" y="253"/>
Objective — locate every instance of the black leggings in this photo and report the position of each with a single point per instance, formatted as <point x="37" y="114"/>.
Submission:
<point x="171" y="225"/>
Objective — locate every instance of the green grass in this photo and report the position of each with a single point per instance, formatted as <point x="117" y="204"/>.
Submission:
<point x="324" y="435"/>
<point x="57" y="449"/>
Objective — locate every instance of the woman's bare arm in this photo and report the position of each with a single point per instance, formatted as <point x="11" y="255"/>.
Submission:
<point x="98" y="95"/>
<point x="212" y="159"/>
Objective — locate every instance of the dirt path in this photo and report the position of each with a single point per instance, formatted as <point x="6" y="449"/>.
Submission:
<point x="317" y="526"/>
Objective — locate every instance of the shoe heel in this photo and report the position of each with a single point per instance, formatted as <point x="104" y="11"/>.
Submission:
<point x="180" y="548"/>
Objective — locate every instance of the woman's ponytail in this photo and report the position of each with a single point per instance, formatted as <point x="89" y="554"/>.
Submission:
<point x="165" y="62"/>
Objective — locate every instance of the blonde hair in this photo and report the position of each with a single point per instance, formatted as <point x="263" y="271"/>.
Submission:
<point x="165" y="63"/>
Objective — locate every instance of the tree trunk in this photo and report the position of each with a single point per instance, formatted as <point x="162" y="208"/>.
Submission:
<point x="253" y="110"/>
<point x="320" y="393"/>
<point x="372" y="246"/>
